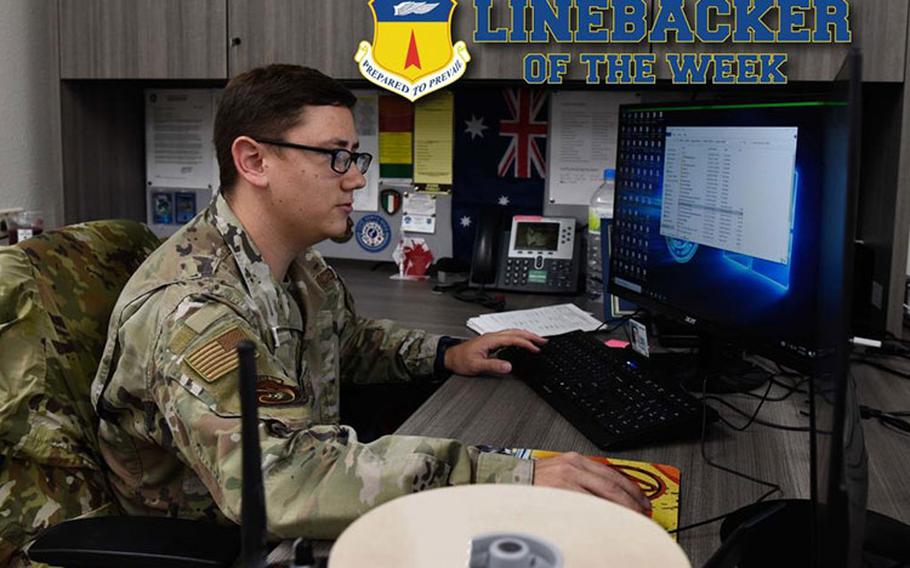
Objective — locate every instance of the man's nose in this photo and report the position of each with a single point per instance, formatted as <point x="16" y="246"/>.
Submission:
<point x="354" y="179"/>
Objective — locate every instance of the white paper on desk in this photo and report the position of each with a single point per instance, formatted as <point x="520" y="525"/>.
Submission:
<point x="178" y="138"/>
<point x="582" y="142"/>
<point x="550" y="320"/>
<point x="366" y="120"/>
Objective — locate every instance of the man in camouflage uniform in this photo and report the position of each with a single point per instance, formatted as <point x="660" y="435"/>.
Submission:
<point x="167" y="386"/>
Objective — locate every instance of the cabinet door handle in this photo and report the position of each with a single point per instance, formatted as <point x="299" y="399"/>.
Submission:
<point x="235" y="41"/>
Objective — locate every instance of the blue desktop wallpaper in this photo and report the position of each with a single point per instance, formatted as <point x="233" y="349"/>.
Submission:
<point x="739" y="295"/>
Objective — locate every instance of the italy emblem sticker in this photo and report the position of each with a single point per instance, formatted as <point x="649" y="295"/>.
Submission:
<point x="390" y="200"/>
<point x="412" y="52"/>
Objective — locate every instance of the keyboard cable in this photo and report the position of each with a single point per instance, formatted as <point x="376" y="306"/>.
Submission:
<point x="893" y="420"/>
<point x="774" y="377"/>
<point x="773" y="487"/>
<point x="753" y="416"/>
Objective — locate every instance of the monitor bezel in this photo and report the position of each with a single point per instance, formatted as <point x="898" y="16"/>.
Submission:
<point x="840" y="485"/>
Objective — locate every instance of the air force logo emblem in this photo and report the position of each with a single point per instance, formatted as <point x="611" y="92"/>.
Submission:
<point x="412" y="52"/>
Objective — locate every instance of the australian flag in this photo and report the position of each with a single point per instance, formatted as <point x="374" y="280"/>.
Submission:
<point x="500" y="157"/>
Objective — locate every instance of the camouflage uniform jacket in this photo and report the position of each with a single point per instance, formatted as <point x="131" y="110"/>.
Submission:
<point x="167" y="390"/>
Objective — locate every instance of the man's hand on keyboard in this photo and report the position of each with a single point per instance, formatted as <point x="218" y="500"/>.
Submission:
<point x="476" y="356"/>
<point x="577" y="473"/>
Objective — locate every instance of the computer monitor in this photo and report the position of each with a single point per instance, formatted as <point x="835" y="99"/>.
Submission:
<point x="719" y="219"/>
<point x="738" y="219"/>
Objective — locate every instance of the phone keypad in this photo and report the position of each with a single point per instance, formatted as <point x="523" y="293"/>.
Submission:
<point x="520" y="272"/>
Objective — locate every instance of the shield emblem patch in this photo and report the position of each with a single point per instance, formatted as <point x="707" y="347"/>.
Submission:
<point x="390" y="200"/>
<point x="412" y="52"/>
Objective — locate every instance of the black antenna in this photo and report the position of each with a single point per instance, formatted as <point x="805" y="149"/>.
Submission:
<point x="252" y="521"/>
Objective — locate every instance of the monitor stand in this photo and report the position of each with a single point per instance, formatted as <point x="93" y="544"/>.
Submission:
<point x="717" y="361"/>
<point x="778" y="533"/>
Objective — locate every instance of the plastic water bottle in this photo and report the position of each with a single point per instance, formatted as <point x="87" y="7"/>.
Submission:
<point x="601" y="208"/>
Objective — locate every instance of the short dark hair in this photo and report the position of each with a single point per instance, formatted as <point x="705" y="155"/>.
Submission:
<point x="265" y="103"/>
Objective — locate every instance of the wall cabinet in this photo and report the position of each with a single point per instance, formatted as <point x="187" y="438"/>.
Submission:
<point x="317" y="33"/>
<point x="143" y="39"/>
<point x="205" y="39"/>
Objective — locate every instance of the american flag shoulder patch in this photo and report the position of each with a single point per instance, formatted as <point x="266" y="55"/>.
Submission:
<point x="218" y="357"/>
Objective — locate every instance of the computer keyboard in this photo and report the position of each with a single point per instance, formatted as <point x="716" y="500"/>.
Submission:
<point x="605" y="393"/>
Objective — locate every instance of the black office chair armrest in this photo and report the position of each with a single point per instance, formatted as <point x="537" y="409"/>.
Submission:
<point x="140" y="542"/>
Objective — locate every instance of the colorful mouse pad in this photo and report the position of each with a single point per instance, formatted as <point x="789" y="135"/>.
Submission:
<point x="659" y="482"/>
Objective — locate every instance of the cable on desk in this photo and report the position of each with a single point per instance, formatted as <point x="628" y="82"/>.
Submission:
<point x="617" y="321"/>
<point x="896" y="348"/>
<point x="875" y="365"/>
<point x="790" y="389"/>
<point x="786" y="371"/>
<point x="753" y="418"/>
<point x="893" y="337"/>
<point x="774" y="378"/>
<point x="891" y="420"/>
<point x="773" y="487"/>
<point x="461" y="291"/>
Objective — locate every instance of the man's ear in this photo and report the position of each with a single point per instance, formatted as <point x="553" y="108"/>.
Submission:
<point x="249" y="161"/>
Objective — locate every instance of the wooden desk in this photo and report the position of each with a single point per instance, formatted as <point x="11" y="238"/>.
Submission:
<point x="505" y="412"/>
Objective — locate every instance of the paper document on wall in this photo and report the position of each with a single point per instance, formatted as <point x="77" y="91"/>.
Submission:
<point x="366" y="120"/>
<point x="419" y="213"/>
<point x="582" y="142"/>
<point x="433" y="139"/>
<point x="550" y="320"/>
<point x="178" y="138"/>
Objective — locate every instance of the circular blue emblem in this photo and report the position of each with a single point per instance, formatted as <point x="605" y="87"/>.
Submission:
<point x="373" y="233"/>
<point x="681" y="251"/>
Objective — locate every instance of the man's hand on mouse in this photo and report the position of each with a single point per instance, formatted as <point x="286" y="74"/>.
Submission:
<point x="477" y="356"/>
<point x="565" y="471"/>
<point x="577" y="473"/>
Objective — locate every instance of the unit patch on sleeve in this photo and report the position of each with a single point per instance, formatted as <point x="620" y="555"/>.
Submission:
<point x="272" y="392"/>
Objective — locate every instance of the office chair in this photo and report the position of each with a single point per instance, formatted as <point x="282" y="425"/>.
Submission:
<point x="177" y="542"/>
<point x="57" y="292"/>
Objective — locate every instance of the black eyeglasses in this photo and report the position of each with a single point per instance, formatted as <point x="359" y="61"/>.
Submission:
<point x="341" y="158"/>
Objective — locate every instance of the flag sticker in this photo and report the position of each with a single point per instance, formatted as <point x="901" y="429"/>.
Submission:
<point x="217" y="357"/>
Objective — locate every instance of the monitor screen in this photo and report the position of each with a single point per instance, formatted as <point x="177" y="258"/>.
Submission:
<point x="718" y="217"/>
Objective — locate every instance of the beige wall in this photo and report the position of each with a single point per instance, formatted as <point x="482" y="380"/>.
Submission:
<point x="30" y="163"/>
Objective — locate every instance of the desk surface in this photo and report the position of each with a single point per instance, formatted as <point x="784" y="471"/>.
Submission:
<point x="507" y="413"/>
